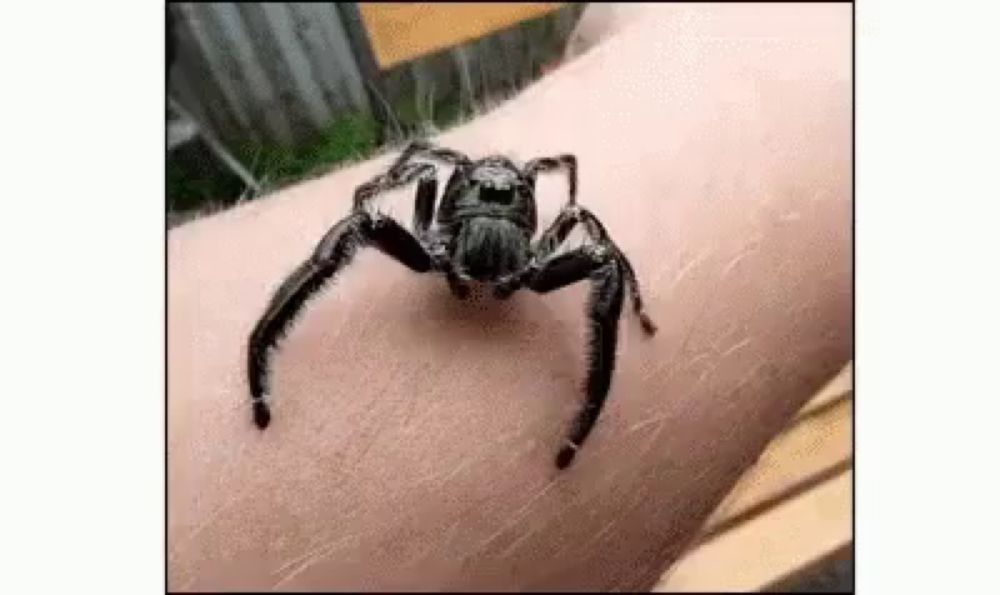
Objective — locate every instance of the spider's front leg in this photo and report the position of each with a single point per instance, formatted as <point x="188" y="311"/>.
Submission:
<point x="600" y="265"/>
<point x="423" y="148"/>
<point x="397" y="177"/>
<point x="404" y="170"/>
<point x="566" y="161"/>
<point x="335" y="251"/>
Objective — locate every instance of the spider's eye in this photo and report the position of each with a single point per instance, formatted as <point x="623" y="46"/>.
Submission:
<point x="497" y="195"/>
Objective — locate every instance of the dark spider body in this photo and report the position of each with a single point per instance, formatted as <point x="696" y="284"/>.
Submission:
<point x="485" y="222"/>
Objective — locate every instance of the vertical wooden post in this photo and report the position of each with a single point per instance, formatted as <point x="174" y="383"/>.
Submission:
<point x="371" y="74"/>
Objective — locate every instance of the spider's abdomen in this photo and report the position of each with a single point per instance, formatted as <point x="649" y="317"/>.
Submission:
<point x="486" y="249"/>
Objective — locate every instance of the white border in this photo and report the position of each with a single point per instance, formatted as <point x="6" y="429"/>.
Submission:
<point x="83" y="253"/>
<point x="927" y="219"/>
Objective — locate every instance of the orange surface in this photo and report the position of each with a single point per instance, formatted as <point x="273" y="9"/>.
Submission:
<point x="790" y="510"/>
<point x="402" y="31"/>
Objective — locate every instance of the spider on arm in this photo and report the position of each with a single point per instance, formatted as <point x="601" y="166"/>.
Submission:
<point x="484" y="226"/>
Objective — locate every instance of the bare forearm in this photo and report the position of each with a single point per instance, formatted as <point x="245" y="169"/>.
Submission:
<point x="413" y="434"/>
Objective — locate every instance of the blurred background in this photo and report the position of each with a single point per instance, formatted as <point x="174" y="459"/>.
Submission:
<point x="261" y="95"/>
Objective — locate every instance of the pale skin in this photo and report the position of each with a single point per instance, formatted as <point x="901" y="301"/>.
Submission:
<point x="413" y="435"/>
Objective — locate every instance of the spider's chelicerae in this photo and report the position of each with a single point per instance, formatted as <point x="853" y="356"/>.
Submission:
<point x="485" y="224"/>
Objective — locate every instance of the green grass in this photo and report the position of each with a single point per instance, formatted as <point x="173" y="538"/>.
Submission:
<point x="197" y="181"/>
<point x="350" y="137"/>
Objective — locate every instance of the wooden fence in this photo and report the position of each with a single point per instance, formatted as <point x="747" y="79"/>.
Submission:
<point x="280" y="72"/>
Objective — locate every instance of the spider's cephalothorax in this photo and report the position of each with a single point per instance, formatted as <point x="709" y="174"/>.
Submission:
<point x="484" y="229"/>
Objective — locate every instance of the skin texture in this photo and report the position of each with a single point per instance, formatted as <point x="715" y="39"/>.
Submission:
<point x="413" y="435"/>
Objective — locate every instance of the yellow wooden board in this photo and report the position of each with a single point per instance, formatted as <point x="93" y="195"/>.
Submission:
<point x="756" y="554"/>
<point x="402" y="31"/>
<point x="790" y="510"/>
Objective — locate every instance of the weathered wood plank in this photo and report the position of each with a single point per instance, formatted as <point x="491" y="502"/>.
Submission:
<point x="792" y="508"/>
<point x="402" y="31"/>
<point x="755" y="554"/>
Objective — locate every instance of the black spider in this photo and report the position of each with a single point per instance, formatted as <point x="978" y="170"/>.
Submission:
<point x="485" y="223"/>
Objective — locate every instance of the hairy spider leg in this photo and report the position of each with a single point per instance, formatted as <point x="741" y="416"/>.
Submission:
<point x="603" y="312"/>
<point x="424" y="173"/>
<point x="425" y="149"/>
<point x="560" y="229"/>
<point x="556" y="234"/>
<point x="403" y="171"/>
<point x="609" y="269"/>
<point x="543" y="164"/>
<point x="335" y="251"/>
